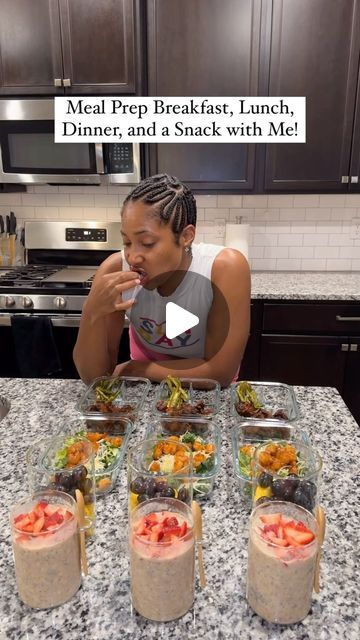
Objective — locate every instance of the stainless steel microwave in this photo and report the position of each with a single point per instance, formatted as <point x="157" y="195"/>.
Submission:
<point x="29" y="155"/>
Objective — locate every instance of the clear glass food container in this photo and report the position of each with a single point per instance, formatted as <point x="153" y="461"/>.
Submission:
<point x="203" y="438"/>
<point x="110" y="439"/>
<point x="246" y="436"/>
<point x="276" y="398"/>
<point x="47" y="463"/>
<point x="159" y="468"/>
<point x="203" y="396"/>
<point x="112" y="396"/>
<point x="297" y="482"/>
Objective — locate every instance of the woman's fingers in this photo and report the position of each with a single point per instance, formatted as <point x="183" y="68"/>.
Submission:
<point x="123" y="306"/>
<point x="118" y="277"/>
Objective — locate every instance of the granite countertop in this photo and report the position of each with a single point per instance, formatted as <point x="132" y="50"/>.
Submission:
<point x="101" y="609"/>
<point x="305" y="285"/>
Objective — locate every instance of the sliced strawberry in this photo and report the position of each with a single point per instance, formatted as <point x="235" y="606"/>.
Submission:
<point x="174" y="531"/>
<point x="40" y="508"/>
<point x="20" y="517"/>
<point x="23" y="522"/>
<point x="183" y="529"/>
<point x="67" y="515"/>
<point x="304" y="537"/>
<point x="298" y="537"/>
<point x="29" y="528"/>
<point x="38" y="525"/>
<point x="155" y="536"/>
<point x="171" y="521"/>
<point x="151" y="519"/>
<point x="271" y="518"/>
<point x="279" y="541"/>
<point x="274" y="528"/>
<point x="51" y="508"/>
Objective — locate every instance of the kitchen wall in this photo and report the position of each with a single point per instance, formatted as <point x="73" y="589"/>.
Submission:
<point x="287" y="232"/>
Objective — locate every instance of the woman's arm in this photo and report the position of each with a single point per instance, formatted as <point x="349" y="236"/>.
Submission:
<point x="102" y="320"/>
<point x="223" y="353"/>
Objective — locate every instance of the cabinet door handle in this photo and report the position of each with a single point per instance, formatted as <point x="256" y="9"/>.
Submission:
<point x="57" y="82"/>
<point x="348" y="318"/>
<point x="353" y="347"/>
<point x="344" y="347"/>
<point x="67" y="82"/>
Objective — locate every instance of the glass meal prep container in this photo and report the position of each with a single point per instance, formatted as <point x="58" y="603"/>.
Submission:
<point x="204" y="440"/>
<point x="274" y="398"/>
<point x="113" y="396"/>
<point x="187" y="397"/>
<point x="109" y="438"/>
<point x="246" y="436"/>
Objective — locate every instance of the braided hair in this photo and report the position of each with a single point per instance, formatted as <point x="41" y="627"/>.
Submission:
<point x="173" y="200"/>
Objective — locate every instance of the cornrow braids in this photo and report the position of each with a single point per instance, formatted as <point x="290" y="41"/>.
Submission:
<point x="174" y="201"/>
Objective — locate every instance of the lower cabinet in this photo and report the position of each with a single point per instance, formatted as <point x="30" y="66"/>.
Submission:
<point x="315" y="344"/>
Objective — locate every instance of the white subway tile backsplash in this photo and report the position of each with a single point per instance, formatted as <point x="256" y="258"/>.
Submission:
<point x="263" y="264"/>
<point x="57" y="199"/>
<point x="327" y="252"/>
<point x="206" y="201"/>
<point x="230" y="201"/>
<point x="280" y="201"/>
<point x="296" y="214"/>
<point x="106" y="201"/>
<point x="81" y="200"/>
<point x="301" y="252"/>
<point x="338" y="265"/>
<point x="275" y="252"/>
<point x="71" y="213"/>
<point x="318" y="214"/>
<point x="332" y="200"/>
<point x="33" y="200"/>
<point x="316" y="239"/>
<point x="46" y="213"/>
<point x="305" y="200"/>
<point x="287" y="232"/>
<point x="200" y="214"/>
<point x="10" y="199"/>
<point x="313" y="265"/>
<point x="291" y="239"/>
<point x="288" y="265"/>
<point x="255" y="201"/>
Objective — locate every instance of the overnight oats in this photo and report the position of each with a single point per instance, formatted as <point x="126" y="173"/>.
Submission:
<point x="162" y="552"/>
<point x="282" y="553"/>
<point x="46" y="548"/>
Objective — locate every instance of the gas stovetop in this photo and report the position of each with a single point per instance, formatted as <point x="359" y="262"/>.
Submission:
<point x="40" y="277"/>
<point x="44" y="288"/>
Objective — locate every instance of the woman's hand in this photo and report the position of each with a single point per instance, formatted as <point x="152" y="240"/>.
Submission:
<point x="105" y="296"/>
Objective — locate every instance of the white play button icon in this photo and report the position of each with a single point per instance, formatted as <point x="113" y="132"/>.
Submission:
<point x="178" y="320"/>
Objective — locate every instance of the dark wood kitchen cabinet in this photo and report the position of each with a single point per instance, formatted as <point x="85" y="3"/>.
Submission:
<point x="316" y="344"/>
<point x="314" y="52"/>
<point x="70" y="46"/>
<point x="204" y="49"/>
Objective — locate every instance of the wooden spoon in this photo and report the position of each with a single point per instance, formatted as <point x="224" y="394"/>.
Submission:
<point x="320" y="518"/>
<point x="81" y="521"/>
<point x="197" y="516"/>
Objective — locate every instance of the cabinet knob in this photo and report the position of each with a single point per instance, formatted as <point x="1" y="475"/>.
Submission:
<point x="57" y="82"/>
<point x="344" y="347"/>
<point x="354" y="179"/>
<point x="344" y="179"/>
<point x="353" y="347"/>
<point x="67" y="82"/>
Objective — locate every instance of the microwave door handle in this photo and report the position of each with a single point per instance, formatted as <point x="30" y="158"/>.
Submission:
<point x="99" y="158"/>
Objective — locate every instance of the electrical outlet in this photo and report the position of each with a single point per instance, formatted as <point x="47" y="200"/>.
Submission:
<point x="355" y="229"/>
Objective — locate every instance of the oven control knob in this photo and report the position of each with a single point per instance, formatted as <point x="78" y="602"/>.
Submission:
<point x="27" y="302"/>
<point x="60" y="302"/>
<point x="9" y="301"/>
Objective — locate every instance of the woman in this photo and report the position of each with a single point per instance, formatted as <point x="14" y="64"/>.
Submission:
<point x="160" y="260"/>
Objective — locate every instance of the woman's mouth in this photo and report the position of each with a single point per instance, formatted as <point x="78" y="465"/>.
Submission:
<point x="142" y="274"/>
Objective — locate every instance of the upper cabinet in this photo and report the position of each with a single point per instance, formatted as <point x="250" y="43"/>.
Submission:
<point x="70" y="46"/>
<point x="204" y="49"/>
<point x="314" y="52"/>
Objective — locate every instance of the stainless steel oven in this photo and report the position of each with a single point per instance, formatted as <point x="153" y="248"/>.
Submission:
<point x="47" y="295"/>
<point x="29" y="155"/>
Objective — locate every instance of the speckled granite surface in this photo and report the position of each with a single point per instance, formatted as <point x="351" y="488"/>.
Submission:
<point x="305" y="285"/>
<point x="101" y="609"/>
